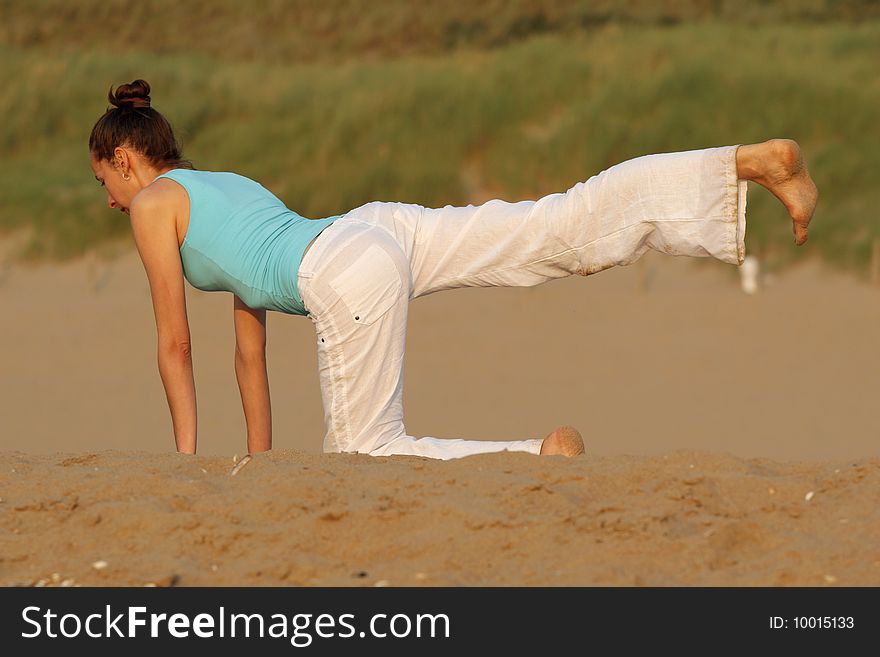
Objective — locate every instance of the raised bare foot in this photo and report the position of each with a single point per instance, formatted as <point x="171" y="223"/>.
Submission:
<point x="778" y="165"/>
<point x="566" y="441"/>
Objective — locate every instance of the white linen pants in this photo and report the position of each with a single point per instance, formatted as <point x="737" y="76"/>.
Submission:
<point x="359" y="275"/>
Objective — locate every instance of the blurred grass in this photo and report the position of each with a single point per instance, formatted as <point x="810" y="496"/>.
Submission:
<point x="298" y="31"/>
<point x="450" y="120"/>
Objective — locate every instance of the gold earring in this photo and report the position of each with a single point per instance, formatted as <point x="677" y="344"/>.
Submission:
<point x="126" y="176"/>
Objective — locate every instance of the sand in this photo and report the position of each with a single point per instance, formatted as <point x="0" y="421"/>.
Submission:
<point x="732" y="439"/>
<point x="290" y="518"/>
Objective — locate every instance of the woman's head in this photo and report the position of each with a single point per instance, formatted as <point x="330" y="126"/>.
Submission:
<point x="129" y="137"/>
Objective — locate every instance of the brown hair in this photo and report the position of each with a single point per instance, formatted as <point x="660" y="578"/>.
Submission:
<point x="133" y="123"/>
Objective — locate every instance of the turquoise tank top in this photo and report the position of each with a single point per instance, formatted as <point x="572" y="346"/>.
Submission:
<point x="243" y="239"/>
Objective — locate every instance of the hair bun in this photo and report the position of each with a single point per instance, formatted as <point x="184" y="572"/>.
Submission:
<point x="136" y="94"/>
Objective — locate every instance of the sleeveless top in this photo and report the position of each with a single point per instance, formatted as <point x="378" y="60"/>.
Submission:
<point x="243" y="239"/>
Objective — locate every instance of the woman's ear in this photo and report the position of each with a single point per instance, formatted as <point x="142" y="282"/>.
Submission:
<point x="121" y="160"/>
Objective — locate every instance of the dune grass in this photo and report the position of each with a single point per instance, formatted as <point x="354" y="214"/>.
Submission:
<point x="298" y="31"/>
<point x="514" y="121"/>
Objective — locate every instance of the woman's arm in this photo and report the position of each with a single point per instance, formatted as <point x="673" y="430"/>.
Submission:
<point x="250" y="370"/>
<point x="153" y="225"/>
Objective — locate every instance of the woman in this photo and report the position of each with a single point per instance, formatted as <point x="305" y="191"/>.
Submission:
<point x="354" y="275"/>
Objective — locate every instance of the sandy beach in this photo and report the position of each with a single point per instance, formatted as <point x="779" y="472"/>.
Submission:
<point x="732" y="439"/>
<point x="289" y="518"/>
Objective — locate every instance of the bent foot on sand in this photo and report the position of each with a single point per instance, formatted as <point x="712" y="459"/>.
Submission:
<point x="565" y="441"/>
<point x="778" y="165"/>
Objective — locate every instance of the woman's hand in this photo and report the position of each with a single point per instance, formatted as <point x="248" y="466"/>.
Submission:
<point x="153" y="223"/>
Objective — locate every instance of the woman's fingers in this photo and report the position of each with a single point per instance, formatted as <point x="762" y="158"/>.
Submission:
<point x="800" y="232"/>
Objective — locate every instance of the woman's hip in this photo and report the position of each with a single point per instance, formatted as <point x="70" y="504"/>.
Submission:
<point x="354" y="268"/>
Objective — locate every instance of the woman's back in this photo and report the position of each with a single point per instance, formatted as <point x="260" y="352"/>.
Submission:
<point x="242" y="239"/>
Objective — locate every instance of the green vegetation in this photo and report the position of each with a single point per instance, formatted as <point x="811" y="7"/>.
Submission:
<point x="512" y="101"/>
<point x="301" y="31"/>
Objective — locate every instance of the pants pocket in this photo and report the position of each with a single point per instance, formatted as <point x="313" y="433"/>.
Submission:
<point x="369" y="286"/>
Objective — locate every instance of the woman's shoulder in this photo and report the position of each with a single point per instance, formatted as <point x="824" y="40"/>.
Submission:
<point x="164" y="189"/>
<point x="171" y="184"/>
<point x="196" y="174"/>
<point x="205" y="188"/>
<point x="205" y="179"/>
<point x="166" y="192"/>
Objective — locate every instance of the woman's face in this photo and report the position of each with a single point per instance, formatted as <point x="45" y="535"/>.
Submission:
<point x="120" y="192"/>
